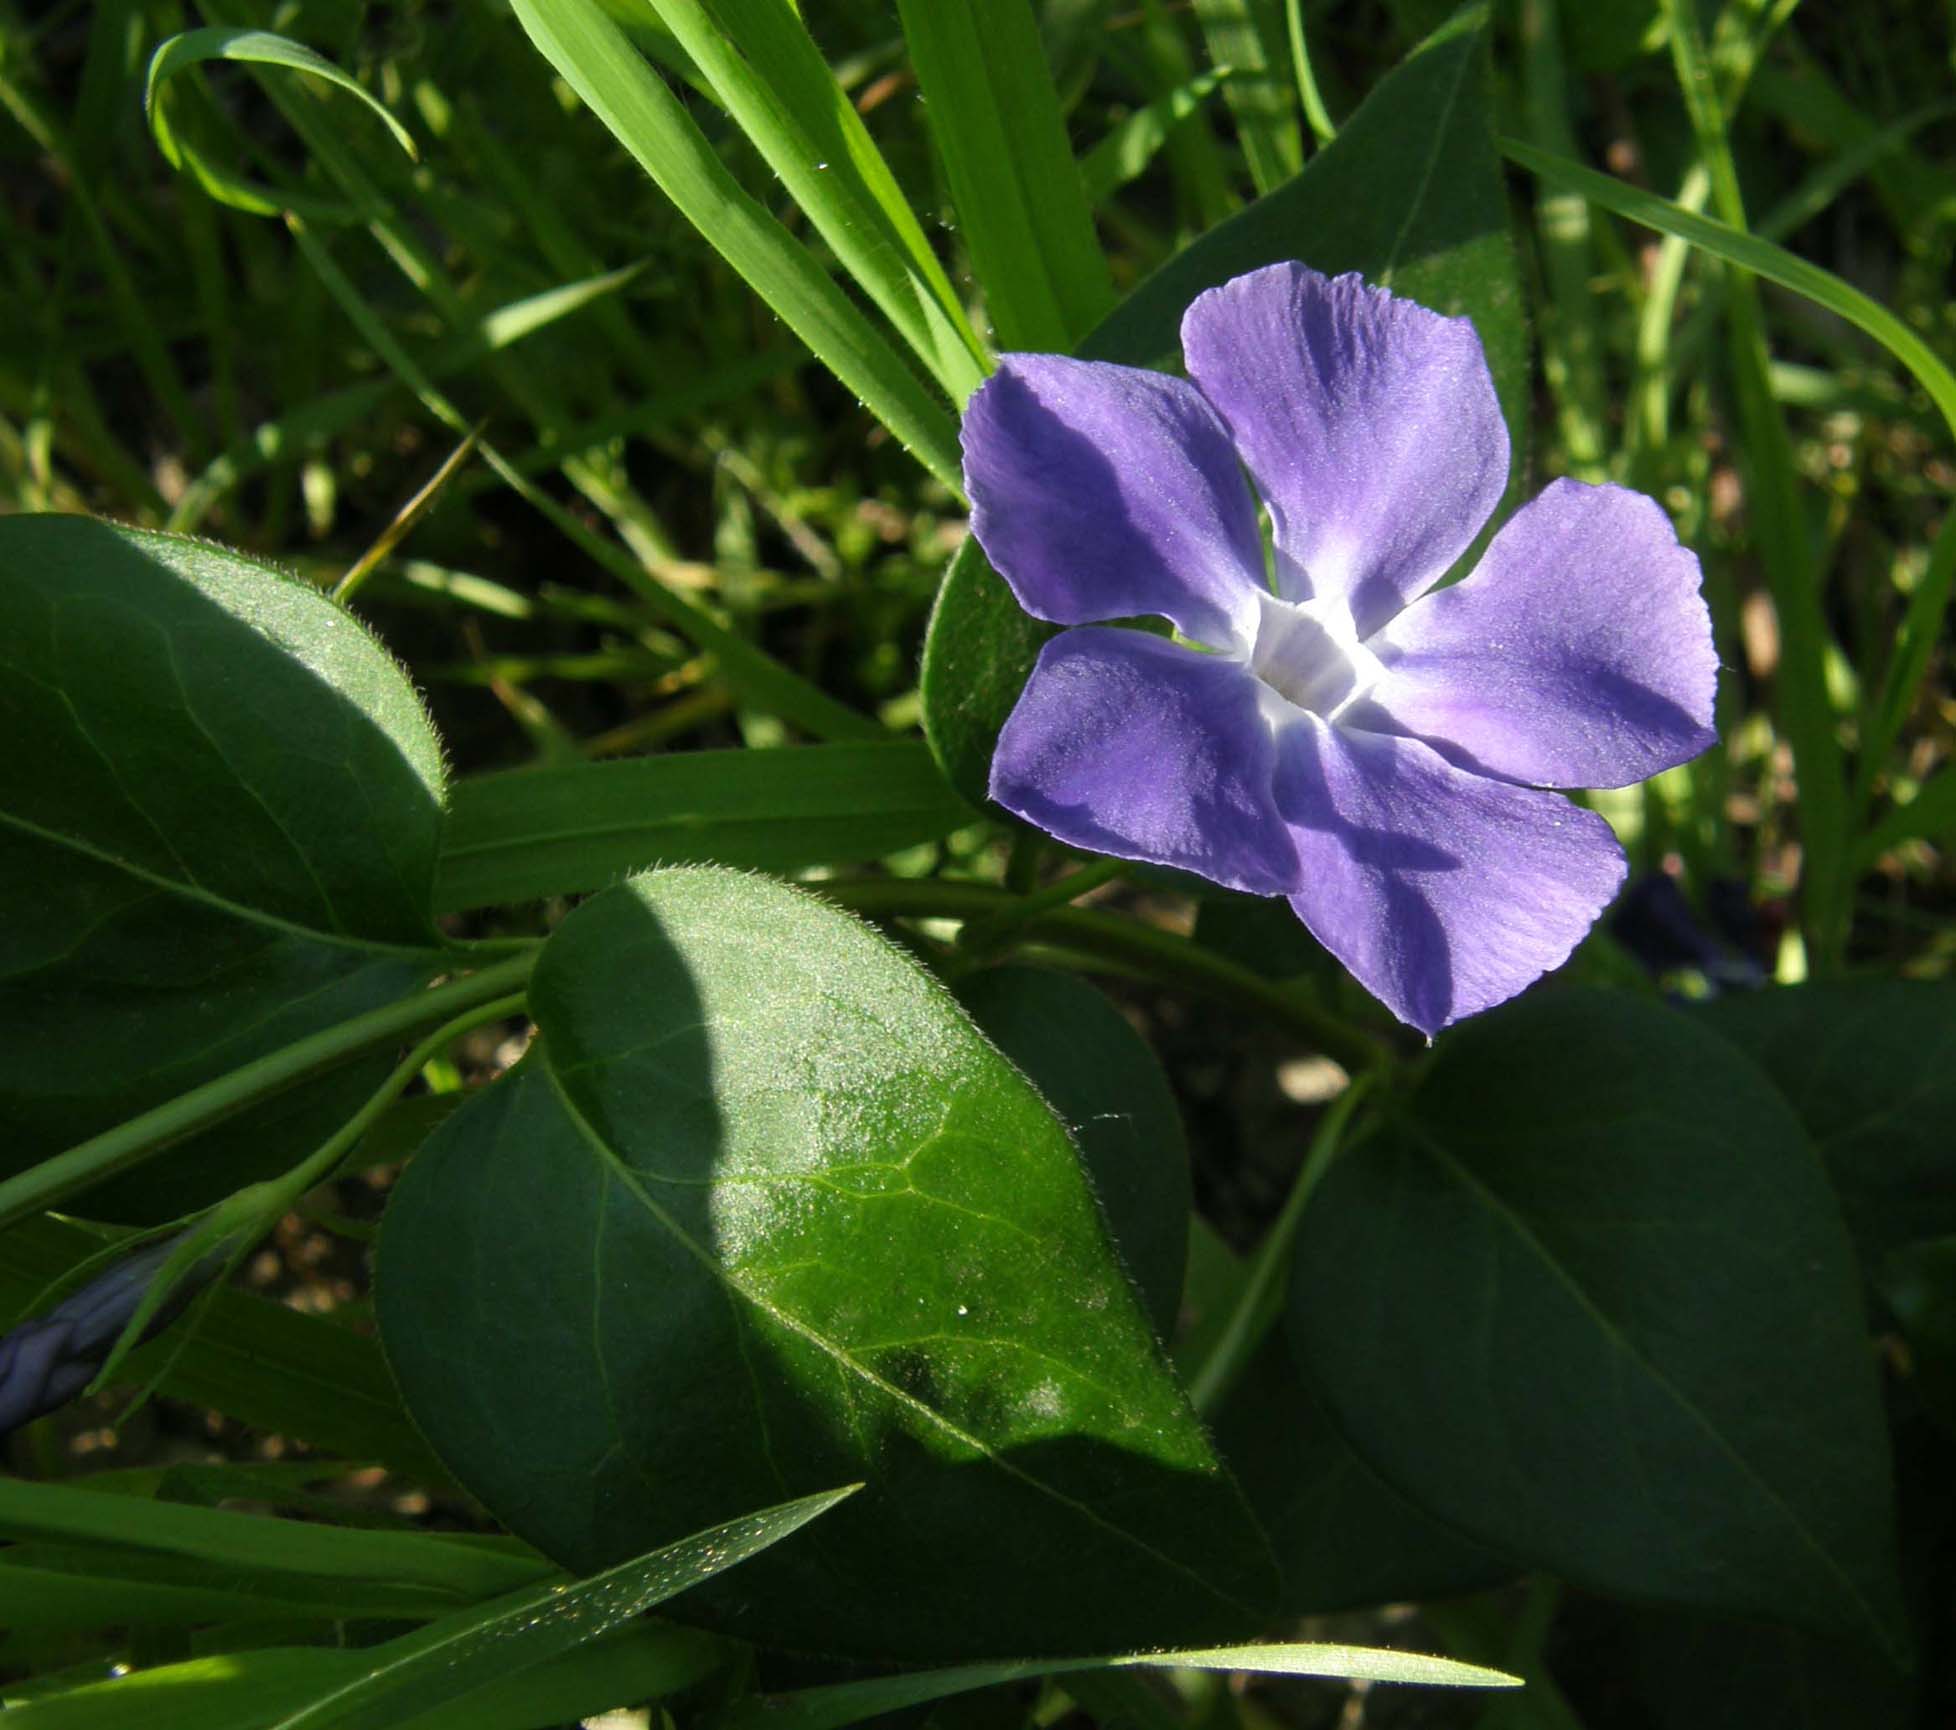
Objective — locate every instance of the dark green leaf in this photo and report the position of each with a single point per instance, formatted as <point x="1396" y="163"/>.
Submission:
<point x="1345" y="1539"/>
<point x="978" y="652"/>
<point x="1665" y="1670"/>
<point x="1106" y="1086"/>
<point x="217" y="835"/>
<point x="1919" y="1284"/>
<point x="1869" y="1065"/>
<point x="538" y="832"/>
<point x="1590" y="1300"/>
<point x="1409" y="195"/>
<point x="763" y="1212"/>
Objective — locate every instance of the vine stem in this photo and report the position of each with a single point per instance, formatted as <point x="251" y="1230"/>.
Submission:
<point x="243" y="1219"/>
<point x="115" y="1150"/>
<point x="1091" y="937"/>
<point x="1255" y="1306"/>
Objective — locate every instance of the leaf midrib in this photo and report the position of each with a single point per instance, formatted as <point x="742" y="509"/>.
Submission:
<point x="209" y="898"/>
<point x="1518" y="1225"/>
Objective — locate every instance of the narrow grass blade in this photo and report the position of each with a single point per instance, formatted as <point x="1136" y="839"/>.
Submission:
<point x="1128" y="149"/>
<point x="56" y="1512"/>
<point x="851" y="1702"/>
<point x="742" y="663"/>
<point x="1748" y="252"/>
<point x="598" y="61"/>
<point x="1019" y="196"/>
<point x="461" y="1653"/>
<point x="1264" y="104"/>
<point x="766" y="69"/>
<point x="251" y="48"/>
<point x="535" y="832"/>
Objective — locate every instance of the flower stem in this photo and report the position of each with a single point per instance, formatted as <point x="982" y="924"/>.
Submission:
<point x="1106" y="939"/>
<point x="995" y="930"/>
<point x="128" y="1144"/>
<point x="1256" y="1304"/>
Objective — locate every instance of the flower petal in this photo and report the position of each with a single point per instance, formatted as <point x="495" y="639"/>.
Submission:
<point x="1444" y="893"/>
<point x="1578" y="654"/>
<point x="1127" y="744"/>
<point x="1369" y="424"/>
<point x="1105" y="492"/>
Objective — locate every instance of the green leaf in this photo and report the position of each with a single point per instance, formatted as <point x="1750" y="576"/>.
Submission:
<point x="480" y="1647"/>
<point x="1869" y="1066"/>
<point x="535" y="832"/>
<point x="1409" y="194"/>
<point x="263" y="1363"/>
<point x="1020" y="200"/>
<point x="251" y="48"/>
<point x="1345" y="1538"/>
<point x="851" y="1702"/>
<point x="1672" y="1671"/>
<point x="222" y="840"/>
<point x="978" y="653"/>
<point x="1107" y="1087"/>
<point x="763" y="1211"/>
<point x="1918" y="1283"/>
<point x="1589" y="1299"/>
<point x="610" y="76"/>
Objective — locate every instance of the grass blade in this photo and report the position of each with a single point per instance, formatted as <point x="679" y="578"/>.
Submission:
<point x="462" y="1653"/>
<point x="1748" y="252"/>
<point x="598" y="61"/>
<point x="851" y="1702"/>
<point x="767" y="71"/>
<point x="532" y="832"/>
<point x="251" y="48"/>
<point x="1019" y="194"/>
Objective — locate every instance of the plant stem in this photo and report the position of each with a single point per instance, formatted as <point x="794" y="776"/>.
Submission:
<point x="1100" y="937"/>
<point x="1255" y="1306"/>
<point x="115" y="1150"/>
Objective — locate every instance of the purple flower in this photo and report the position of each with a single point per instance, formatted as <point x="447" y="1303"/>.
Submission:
<point x="1324" y="732"/>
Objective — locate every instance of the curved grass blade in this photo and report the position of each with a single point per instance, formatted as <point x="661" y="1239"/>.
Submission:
<point x="251" y="48"/>
<point x="1748" y="252"/>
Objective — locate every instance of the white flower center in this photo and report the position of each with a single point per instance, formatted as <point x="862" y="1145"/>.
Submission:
<point x="1309" y="654"/>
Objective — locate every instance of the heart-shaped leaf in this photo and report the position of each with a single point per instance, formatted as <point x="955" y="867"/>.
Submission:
<point x="218" y="823"/>
<point x="1410" y="196"/>
<point x="1590" y="1300"/>
<point x="762" y="1213"/>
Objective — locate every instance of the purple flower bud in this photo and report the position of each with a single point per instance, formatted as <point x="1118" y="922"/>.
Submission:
<point x="46" y="1362"/>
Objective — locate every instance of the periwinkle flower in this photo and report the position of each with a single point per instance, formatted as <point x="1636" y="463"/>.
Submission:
<point x="1332" y="732"/>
